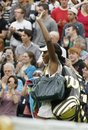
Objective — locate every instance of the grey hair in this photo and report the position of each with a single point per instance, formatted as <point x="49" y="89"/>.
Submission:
<point x="55" y="33"/>
<point x="10" y="65"/>
<point x="81" y="42"/>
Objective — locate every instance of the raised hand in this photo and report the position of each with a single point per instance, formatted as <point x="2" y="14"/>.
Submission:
<point x="41" y="15"/>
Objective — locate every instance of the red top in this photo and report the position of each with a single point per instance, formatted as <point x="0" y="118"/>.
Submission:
<point x="84" y="20"/>
<point x="60" y="15"/>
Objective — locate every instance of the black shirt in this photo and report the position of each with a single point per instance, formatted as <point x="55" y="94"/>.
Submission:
<point x="79" y="65"/>
<point x="3" y="25"/>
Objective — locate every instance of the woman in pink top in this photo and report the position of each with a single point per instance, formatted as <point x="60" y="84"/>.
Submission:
<point x="9" y="99"/>
<point x="83" y="18"/>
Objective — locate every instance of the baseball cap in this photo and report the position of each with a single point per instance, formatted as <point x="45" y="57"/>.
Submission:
<point x="74" y="10"/>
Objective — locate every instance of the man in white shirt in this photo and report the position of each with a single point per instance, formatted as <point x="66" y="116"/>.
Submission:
<point x="19" y="24"/>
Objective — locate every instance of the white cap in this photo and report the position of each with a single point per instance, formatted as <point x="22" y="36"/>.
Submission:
<point x="43" y="48"/>
<point x="73" y="9"/>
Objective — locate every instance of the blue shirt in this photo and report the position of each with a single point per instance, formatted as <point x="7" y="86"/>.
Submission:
<point x="19" y="87"/>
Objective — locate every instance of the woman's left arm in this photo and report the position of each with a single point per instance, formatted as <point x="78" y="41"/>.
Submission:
<point x="52" y="56"/>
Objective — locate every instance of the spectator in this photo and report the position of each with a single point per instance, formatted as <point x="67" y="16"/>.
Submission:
<point x="8" y="71"/>
<point x="29" y="65"/>
<point x="72" y="16"/>
<point x="8" y="55"/>
<point x="85" y="76"/>
<point x="60" y="15"/>
<point x="9" y="99"/>
<point x="7" y="10"/>
<point x="27" y="45"/>
<point x="74" y="60"/>
<point x="86" y="60"/>
<point x="17" y="26"/>
<point x="1" y="52"/>
<point x="80" y="43"/>
<point x="48" y="22"/>
<point x="29" y="10"/>
<point x="53" y="4"/>
<point x="71" y="35"/>
<point x="83" y="18"/>
<point x="1" y="48"/>
<point x="3" y="24"/>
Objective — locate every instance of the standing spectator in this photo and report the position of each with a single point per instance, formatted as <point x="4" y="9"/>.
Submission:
<point x="71" y="3"/>
<point x="7" y="10"/>
<point x="48" y="22"/>
<point x="29" y="10"/>
<point x="17" y="26"/>
<point x="83" y="18"/>
<point x="60" y="15"/>
<point x="3" y="24"/>
<point x="1" y="52"/>
<point x="53" y="4"/>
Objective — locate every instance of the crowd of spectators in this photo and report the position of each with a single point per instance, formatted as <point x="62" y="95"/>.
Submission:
<point x="23" y="51"/>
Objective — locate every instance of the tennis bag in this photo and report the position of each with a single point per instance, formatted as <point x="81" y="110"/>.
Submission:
<point x="66" y="110"/>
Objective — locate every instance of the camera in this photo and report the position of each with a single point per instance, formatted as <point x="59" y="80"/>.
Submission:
<point x="8" y="54"/>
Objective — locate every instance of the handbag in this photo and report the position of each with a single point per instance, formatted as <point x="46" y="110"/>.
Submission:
<point x="49" y="88"/>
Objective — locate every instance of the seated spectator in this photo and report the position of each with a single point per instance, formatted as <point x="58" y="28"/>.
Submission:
<point x="71" y="35"/>
<point x="72" y="16"/>
<point x="80" y="43"/>
<point x="9" y="99"/>
<point x="27" y="45"/>
<point x="29" y="65"/>
<point x="85" y="76"/>
<point x="9" y="70"/>
<point x="86" y="60"/>
<point x="8" y="56"/>
<point x="60" y="51"/>
<point x="74" y="60"/>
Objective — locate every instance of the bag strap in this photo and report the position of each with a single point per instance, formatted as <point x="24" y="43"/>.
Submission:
<point x="31" y="102"/>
